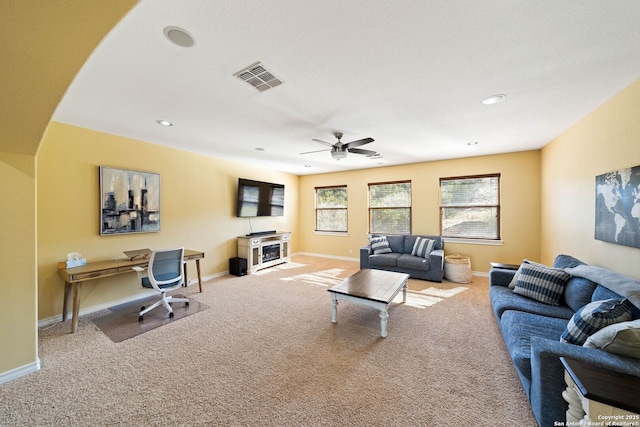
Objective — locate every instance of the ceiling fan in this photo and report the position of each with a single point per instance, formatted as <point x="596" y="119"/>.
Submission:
<point x="340" y="150"/>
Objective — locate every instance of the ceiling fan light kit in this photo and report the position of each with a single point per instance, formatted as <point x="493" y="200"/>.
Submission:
<point x="338" y="154"/>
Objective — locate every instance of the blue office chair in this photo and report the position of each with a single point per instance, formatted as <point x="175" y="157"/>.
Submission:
<point x="164" y="273"/>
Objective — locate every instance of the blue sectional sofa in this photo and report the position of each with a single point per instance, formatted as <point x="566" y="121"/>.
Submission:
<point x="532" y="330"/>
<point x="399" y="259"/>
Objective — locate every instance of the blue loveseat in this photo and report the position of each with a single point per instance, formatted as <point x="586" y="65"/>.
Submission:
<point x="428" y="267"/>
<point x="532" y="331"/>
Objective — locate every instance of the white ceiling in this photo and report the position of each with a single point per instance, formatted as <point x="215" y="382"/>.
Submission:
<point x="410" y="74"/>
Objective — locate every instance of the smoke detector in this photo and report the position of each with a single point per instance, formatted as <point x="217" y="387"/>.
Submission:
<point x="259" y="77"/>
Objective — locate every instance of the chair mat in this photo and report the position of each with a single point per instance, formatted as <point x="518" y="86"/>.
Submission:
<point x="121" y="322"/>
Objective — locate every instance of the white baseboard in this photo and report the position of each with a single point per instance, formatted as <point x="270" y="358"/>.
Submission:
<point x="209" y="277"/>
<point x="474" y="273"/>
<point x="19" y="372"/>
<point x="93" y="309"/>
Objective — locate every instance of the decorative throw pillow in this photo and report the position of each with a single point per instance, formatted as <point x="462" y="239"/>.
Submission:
<point x="512" y="284"/>
<point x="620" y="338"/>
<point x="422" y="247"/>
<point x="380" y="245"/>
<point x="595" y="316"/>
<point x="541" y="283"/>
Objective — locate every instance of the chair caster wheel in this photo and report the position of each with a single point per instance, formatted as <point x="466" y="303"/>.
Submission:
<point x="171" y="315"/>
<point x="186" y="304"/>
<point x="140" y="318"/>
<point x="142" y="308"/>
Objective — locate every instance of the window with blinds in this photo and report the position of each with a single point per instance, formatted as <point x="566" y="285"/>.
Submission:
<point x="470" y="207"/>
<point x="331" y="209"/>
<point x="390" y="208"/>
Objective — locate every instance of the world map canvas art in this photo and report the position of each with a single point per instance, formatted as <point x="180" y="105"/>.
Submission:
<point x="618" y="207"/>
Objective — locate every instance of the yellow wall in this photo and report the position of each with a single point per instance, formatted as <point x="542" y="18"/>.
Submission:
<point x="41" y="53"/>
<point x="197" y="209"/>
<point x="39" y="65"/>
<point x="18" y="290"/>
<point x="520" y="206"/>
<point x="606" y="140"/>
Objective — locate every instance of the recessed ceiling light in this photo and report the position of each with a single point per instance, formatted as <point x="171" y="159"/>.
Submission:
<point x="164" y="123"/>
<point x="179" y="36"/>
<point x="259" y="149"/>
<point x="494" y="99"/>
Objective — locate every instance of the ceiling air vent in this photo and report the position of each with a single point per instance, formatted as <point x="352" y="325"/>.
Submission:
<point x="258" y="77"/>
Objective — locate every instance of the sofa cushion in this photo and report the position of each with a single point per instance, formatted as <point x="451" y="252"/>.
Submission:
<point x="541" y="283"/>
<point x="517" y="329"/>
<point x="602" y="293"/>
<point x="380" y="245"/>
<point x="566" y="261"/>
<point x="384" y="260"/>
<point x="578" y="292"/>
<point x="503" y="299"/>
<point x="396" y="243"/>
<point x="620" y="338"/>
<point x="413" y="262"/>
<point x="422" y="247"/>
<point x="595" y="316"/>
<point x="626" y="286"/>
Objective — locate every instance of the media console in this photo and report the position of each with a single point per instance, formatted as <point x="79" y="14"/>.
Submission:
<point x="264" y="250"/>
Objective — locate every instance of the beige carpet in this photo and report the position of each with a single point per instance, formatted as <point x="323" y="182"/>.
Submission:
<point x="266" y="354"/>
<point x="121" y="322"/>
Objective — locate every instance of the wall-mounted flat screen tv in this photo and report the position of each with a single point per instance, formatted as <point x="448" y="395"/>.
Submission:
<point x="257" y="198"/>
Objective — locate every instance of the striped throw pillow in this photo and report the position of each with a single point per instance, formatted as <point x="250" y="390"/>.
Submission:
<point x="541" y="283"/>
<point x="422" y="247"/>
<point x="594" y="316"/>
<point x="380" y="245"/>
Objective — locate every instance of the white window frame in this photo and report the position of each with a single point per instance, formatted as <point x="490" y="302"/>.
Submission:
<point x="344" y="208"/>
<point x="403" y="207"/>
<point x="473" y="205"/>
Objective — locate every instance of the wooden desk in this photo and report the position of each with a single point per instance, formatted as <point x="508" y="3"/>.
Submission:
<point x="73" y="278"/>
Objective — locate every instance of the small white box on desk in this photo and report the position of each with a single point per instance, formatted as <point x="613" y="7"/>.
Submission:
<point x="72" y="263"/>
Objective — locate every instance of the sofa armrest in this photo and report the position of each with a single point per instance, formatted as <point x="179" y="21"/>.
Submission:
<point x="500" y="276"/>
<point x="364" y="257"/>
<point x="436" y="261"/>
<point x="547" y="374"/>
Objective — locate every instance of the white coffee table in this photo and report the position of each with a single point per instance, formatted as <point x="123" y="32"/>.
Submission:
<point x="373" y="288"/>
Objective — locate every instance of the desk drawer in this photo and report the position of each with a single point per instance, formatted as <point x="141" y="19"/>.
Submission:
<point x="94" y="274"/>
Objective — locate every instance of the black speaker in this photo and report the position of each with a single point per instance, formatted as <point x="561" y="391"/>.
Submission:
<point x="238" y="266"/>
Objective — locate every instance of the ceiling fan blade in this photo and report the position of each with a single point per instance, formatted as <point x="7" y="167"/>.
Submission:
<point x="360" y="151"/>
<point x="316" y="151"/>
<point x="322" y="142"/>
<point x="359" y="142"/>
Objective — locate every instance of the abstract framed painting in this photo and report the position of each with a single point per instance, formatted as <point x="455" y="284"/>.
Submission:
<point x="618" y="207"/>
<point x="129" y="201"/>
